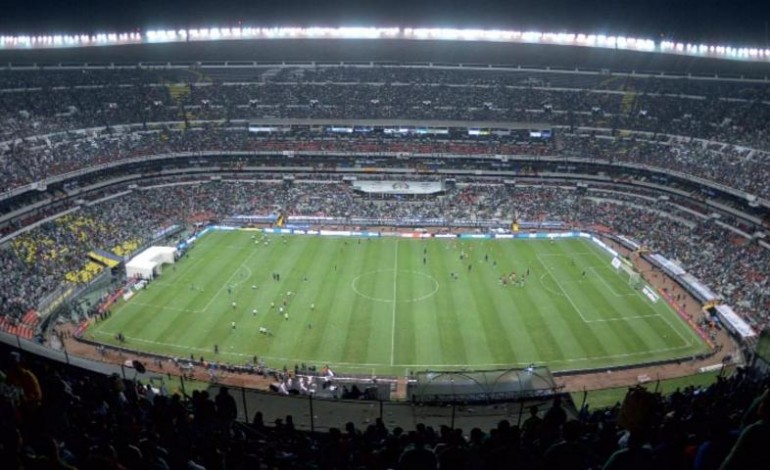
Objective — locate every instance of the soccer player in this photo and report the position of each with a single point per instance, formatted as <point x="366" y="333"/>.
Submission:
<point x="232" y="324"/>
<point x="312" y="307"/>
<point x="254" y="312"/>
<point x="234" y="305"/>
<point x="286" y="316"/>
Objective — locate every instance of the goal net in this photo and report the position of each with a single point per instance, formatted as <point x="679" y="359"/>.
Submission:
<point x="624" y="269"/>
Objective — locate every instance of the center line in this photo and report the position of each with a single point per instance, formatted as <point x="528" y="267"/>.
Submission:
<point x="393" y="324"/>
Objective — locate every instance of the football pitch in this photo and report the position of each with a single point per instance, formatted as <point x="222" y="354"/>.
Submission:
<point x="394" y="305"/>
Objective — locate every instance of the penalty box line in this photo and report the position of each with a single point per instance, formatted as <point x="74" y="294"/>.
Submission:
<point x="558" y="284"/>
<point x="579" y="312"/>
<point x="226" y="283"/>
<point x="609" y="286"/>
<point x="686" y="342"/>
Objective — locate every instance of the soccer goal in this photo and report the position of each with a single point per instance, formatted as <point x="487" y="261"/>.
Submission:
<point x="625" y="269"/>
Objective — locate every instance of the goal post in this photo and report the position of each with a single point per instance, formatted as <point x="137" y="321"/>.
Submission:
<point x="626" y="270"/>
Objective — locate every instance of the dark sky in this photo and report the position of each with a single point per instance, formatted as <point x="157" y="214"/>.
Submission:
<point x="737" y="21"/>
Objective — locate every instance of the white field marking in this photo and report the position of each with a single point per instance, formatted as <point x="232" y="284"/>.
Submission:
<point x="546" y="287"/>
<point x="143" y="304"/>
<point x="426" y="366"/>
<point x="226" y="283"/>
<point x="581" y="281"/>
<point x="636" y="317"/>
<point x="635" y="291"/>
<point x="559" y="361"/>
<point x="582" y="317"/>
<point x="354" y="282"/>
<point x="171" y="345"/>
<point x="647" y="301"/>
<point x="244" y="279"/>
<point x="186" y="272"/>
<point x="537" y="255"/>
<point x="393" y="323"/>
<point x="567" y="256"/>
<point x="188" y="267"/>
<point x="609" y="286"/>
<point x="686" y="341"/>
<point x="229" y="246"/>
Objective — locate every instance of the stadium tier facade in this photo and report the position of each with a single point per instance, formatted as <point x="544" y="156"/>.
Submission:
<point x="463" y="182"/>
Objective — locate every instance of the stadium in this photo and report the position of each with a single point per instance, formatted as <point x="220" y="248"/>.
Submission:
<point x="437" y="230"/>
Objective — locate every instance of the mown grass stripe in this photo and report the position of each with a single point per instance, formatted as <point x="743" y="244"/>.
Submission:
<point x="472" y="321"/>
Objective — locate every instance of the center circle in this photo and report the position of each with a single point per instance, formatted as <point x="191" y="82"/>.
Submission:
<point x="371" y="285"/>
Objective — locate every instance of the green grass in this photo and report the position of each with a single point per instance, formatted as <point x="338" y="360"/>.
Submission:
<point x="174" y="384"/>
<point x="380" y="309"/>
<point x="609" y="396"/>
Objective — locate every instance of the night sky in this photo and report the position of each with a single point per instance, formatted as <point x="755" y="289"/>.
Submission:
<point x="741" y="22"/>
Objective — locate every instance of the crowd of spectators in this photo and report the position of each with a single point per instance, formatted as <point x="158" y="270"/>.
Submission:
<point x="32" y="160"/>
<point x="53" y="416"/>
<point x="37" y="103"/>
<point x="40" y="102"/>
<point x="736" y="167"/>
<point x="40" y="259"/>
<point x="25" y="162"/>
<point x="57" y="121"/>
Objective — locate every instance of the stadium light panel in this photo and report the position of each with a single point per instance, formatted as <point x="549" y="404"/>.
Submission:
<point x="359" y="32"/>
<point x="531" y="36"/>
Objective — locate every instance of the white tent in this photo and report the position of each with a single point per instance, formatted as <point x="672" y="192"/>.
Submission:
<point x="148" y="263"/>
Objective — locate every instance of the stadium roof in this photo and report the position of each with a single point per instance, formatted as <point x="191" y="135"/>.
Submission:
<point x="391" y="51"/>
